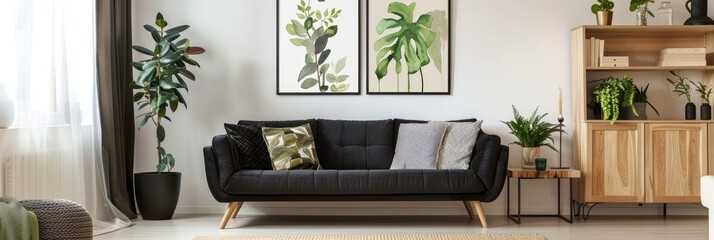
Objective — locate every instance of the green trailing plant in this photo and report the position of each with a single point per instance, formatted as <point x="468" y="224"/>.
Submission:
<point x="602" y="5"/>
<point x="642" y="97"/>
<point x="159" y="81"/>
<point x="415" y="42"/>
<point x="634" y="4"/>
<point x="681" y="86"/>
<point x="705" y="91"/>
<point x="532" y="131"/>
<point x="613" y="94"/>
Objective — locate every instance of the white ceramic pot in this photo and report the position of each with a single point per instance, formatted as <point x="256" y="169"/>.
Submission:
<point x="7" y="108"/>
<point x="529" y="155"/>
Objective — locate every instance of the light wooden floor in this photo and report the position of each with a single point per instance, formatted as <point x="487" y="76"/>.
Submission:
<point x="597" y="227"/>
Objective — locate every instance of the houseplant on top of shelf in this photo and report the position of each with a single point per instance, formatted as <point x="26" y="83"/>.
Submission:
<point x="158" y="84"/>
<point x="613" y="95"/>
<point x="682" y="88"/>
<point x="603" y="12"/>
<point x="705" y="91"/>
<point x="641" y="8"/>
<point x="640" y="101"/>
<point x="532" y="133"/>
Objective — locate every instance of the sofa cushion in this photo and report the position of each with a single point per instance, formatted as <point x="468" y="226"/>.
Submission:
<point x="418" y="145"/>
<point x="291" y="147"/>
<point x="284" y="123"/>
<point x="355" y="182"/>
<point x="398" y="122"/>
<point x="355" y="144"/>
<point x="458" y="145"/>
<point x="249" y="146"/>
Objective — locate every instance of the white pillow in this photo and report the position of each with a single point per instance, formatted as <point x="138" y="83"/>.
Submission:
<point x="418" y="145"/>
<point x="458" y="145"/>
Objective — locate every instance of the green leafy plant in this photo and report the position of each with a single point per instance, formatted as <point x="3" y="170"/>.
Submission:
<point x="312" y="31"/>
<point x="681" y="87"/>
<point x="602" y="5"/>
<point x="413" y="42"/>
<point x="641" y="97"/>
<point x="704" y="91"/>
<point x="159" y="80"/>
<point x="612" y="94"/>
<point x="634" y="4"/>
<point x="532" y="131"/>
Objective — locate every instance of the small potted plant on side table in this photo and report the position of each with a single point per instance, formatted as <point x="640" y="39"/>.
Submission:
<point x="705" y="91"/>
<point x="532" y="133"/>
<point x="682" y="88"/>
<point x="603" y="12"/>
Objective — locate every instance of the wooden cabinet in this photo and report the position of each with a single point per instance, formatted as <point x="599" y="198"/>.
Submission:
<point x="675" y="160"/>
<point x="659" y="160"/>
<point x="615" y="162"/>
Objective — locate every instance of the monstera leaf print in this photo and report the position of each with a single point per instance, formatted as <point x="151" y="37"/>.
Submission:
<point x="410" y="41"/>
<point x="291" y="148"/>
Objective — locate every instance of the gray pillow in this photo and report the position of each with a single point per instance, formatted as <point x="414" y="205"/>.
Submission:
<point x="458" y="144"/>
<point x="418" y="145"/>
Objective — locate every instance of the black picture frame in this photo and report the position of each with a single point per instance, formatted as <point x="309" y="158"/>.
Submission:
<point x="448" y="69"/>
<point x="280" y="29"/>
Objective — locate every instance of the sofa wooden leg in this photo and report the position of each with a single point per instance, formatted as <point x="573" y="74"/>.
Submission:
<point x="481" y="214"/>
<point x="229" y="211"/>
<point x="469" y="209"/>
<point x="237" y="208"/>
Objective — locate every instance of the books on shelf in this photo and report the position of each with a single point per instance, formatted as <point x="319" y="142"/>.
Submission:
<point x="682" y="57"/>
<point x="595" y="51"/>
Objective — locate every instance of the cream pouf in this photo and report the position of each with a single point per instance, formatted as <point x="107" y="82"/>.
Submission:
<point x="707" y="187"/>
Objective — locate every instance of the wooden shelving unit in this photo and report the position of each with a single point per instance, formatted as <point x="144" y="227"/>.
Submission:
<point x="639" y="161"/>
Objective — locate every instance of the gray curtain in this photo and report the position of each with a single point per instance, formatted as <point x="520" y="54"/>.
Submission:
<point x="115" y="101"/>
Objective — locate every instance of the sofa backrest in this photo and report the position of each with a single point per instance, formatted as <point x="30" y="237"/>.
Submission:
<point x="344" y="144"/>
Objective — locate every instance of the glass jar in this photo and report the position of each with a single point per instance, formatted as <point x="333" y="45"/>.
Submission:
<point x="664" y="14"/>
<point x="641" y="14"/>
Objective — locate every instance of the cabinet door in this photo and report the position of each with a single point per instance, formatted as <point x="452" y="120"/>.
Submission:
<point x="676" y="158"/>
<point x="616" y="167"/>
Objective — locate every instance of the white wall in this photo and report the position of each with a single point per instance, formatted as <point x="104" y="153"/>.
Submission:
<point x="503" y="53"/>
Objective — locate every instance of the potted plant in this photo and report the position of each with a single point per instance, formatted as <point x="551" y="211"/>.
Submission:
<point x="640" y="102"/>
<point x="641" y="8"/>
<point x="682" y="88"/>
<point x="705" y="91"/>
<point x="603" y="12"/>
<point x="532" y="133"/>
<point x="158" y="86"/>
<point x="613" y="95"/>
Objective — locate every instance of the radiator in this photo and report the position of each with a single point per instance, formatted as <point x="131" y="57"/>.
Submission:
<point x="52" y="173"/>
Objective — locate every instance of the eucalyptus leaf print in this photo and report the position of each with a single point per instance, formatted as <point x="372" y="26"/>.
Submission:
<point x="313" y="29"/>
<point x="291" y="148"/>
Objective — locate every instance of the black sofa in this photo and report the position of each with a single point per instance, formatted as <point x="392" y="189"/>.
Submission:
<point x="355" y="156"/>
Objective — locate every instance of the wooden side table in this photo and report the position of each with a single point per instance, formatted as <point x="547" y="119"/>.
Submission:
<point x="559" y="174"/>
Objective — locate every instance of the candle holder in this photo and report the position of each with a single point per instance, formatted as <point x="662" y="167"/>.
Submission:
<point x="560" y="147"/>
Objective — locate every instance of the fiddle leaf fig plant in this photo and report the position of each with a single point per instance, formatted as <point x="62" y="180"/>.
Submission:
<point x="602" y="5"/>
<point x="160" y="80"/>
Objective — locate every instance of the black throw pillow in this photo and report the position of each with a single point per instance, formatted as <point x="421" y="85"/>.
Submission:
<point x="250" y="146"/>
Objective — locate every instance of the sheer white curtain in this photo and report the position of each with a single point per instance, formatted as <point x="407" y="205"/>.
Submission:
<point x="49" y="71"/>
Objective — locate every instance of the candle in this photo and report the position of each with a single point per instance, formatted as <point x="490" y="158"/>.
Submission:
<point x="560" y="102"/>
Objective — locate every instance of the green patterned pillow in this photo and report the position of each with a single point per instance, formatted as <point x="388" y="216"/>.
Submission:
<point x="291" y="148"/>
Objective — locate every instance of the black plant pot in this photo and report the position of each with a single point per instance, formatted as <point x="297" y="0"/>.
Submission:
<point x="690" y="111"/>
<point x="705" y="112"/>
<point x="157" y="194"/>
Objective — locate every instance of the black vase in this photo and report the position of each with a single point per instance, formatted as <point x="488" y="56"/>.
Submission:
<point x="698" y="10"/>
<point x="705" y="112"/>
<point x="690" y="111"/>
<point x="157" y="194"/>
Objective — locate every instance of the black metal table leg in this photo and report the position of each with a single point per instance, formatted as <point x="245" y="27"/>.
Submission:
<point x="516" y="219"/>
<point x="518" y="216"/>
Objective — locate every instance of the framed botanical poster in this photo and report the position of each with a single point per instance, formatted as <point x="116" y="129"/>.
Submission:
<point x="408" y="46"/>
<point x="318" y="47"/>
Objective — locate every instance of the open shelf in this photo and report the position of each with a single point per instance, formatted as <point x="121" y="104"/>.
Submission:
<point x="652" y="68"/>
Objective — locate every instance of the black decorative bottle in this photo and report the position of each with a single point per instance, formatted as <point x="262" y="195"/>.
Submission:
<point x="705" y="112"/>
<point x="690" y="111"/>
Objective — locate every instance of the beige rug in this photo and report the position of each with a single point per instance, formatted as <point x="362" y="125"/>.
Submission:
<point x="475" y="236"/>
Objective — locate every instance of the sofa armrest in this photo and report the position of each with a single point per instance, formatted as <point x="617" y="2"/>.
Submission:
<point x="707" y="191"/>
<point x="488" y="159"/>
<point x="224" y="159"/>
